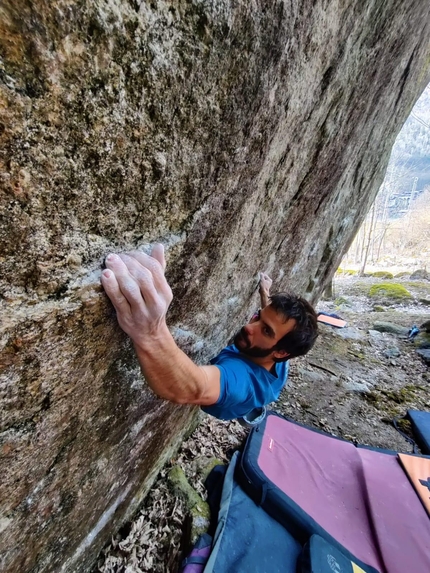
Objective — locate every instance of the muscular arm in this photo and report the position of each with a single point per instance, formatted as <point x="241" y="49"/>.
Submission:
<point x="264" y="289"/>
<point x="138" y="290"/>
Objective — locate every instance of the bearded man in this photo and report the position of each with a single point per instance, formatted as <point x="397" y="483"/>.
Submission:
<point x="244" y="376"/>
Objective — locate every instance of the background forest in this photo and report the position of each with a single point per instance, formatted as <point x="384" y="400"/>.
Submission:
<point x="396" y="231"/>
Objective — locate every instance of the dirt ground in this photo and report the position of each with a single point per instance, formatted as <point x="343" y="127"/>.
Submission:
<point x="352" y="384"/>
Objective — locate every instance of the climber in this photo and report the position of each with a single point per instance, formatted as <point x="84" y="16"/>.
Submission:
<point x="244" y="376"/>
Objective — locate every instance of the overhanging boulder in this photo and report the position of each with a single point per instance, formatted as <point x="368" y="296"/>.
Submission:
<point x="244" y="136"/>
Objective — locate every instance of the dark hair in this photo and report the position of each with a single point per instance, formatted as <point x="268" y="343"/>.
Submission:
<point x="301" y="339"/>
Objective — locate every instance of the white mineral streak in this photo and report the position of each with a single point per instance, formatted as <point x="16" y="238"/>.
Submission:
<point x="104" y="519"/>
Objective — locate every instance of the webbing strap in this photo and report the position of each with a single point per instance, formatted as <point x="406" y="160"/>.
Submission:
<point x="194" y="560"/>
<point x="263" y="493"/>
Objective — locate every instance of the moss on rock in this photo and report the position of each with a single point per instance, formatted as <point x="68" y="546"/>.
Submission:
<point x="382" y="275"/>
<point x="422" y="340"/>
<point x="198" y="510"/>
<point x="349" y="272"/>
<point x="341" y="300"/>
<point x="390" y="290"/>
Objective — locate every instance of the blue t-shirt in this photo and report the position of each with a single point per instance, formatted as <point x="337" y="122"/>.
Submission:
<point x="244" y="384"/>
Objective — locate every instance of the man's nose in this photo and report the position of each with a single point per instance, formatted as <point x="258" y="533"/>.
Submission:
<point x="248" y="328"/>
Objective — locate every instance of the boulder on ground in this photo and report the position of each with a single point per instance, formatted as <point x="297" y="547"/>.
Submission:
<point x="420" y="274"/>
<point x="425" y="355"/>
<point x="390" y="291"/>
<point x="382" y="275"/>
<point x="391" y="327"/>
<point x="422" y="340"/>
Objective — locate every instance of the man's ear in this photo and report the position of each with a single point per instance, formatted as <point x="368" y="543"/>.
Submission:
<point x="280" y="354"/>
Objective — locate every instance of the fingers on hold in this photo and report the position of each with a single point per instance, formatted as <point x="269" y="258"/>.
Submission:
<point x="139" y="272"/>
<point x="130" y="289"/>
<point x="145" y="261"/>
<point x="158" y="254"/>
<point x="112" y="289"/>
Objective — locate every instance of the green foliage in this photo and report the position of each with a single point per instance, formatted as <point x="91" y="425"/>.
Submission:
<point x="378" y="308"/>
<point x="349" y="272"/>
<point x="401" y="275"/>
<point x="390" y="290"/>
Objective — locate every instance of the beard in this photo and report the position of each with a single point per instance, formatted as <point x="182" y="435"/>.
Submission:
<point x="242" y="343"/>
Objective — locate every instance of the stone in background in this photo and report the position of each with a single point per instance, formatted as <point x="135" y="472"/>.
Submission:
<point x="242" y="135"/>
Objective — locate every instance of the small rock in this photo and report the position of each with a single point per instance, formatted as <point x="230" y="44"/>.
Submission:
<point x="378" y="308"/>
<point x="391" y="352"/>
<point x="349" y="333"/>
<point x="425" y="326"/>
<point x="375" y="334"/>
<point x="358" y="387"/>
<point x="312" y="376"/>
<point x="425" y="355"/>
<point x="391" y="327"/>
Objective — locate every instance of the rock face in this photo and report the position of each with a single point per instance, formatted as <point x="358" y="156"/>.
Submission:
<point x="244" y="136"/>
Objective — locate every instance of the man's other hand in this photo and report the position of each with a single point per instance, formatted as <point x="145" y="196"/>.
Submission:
<point x="265" y="283"/>
<point x="264" y="287"/>
<point x="137" y="287"/>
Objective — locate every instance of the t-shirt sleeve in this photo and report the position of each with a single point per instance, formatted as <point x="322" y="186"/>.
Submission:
<point x="235" y="383"/>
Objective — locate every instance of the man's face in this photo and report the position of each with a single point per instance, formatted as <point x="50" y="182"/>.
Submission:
<point x="259" y="337"/>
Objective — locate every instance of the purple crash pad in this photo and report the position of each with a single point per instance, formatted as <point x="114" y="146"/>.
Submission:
<point x="400" y="522"/>
<point x="360" y="497"/>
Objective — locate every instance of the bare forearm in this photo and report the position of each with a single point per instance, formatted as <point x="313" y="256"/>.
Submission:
<point x="168" y="371"/>
<point x="264" y="298"/>
<point x="137" y="287"/>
